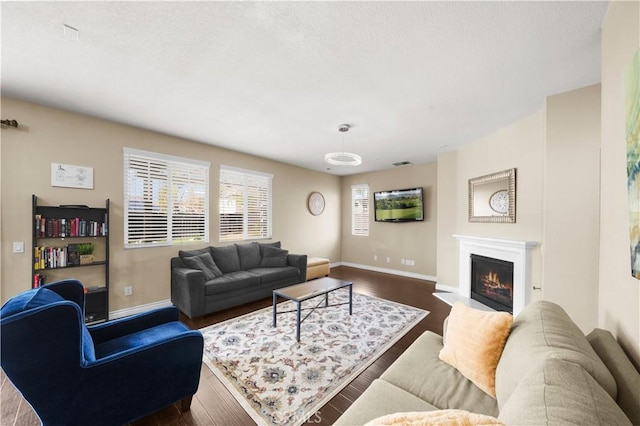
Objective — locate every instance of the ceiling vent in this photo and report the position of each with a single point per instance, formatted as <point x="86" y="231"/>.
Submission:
<point x="402" y="163"/>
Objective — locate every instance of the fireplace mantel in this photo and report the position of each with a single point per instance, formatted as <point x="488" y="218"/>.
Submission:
<point x="518" y="252"/>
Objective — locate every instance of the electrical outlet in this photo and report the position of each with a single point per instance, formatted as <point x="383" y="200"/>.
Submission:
<point x="375" y="257"/>
<point x="128" y="291"/>
<point x="18" y="247"/>
<point x="388" y="259"/>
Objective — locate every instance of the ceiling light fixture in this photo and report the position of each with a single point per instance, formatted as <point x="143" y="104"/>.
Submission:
<point x="343" y="158"/>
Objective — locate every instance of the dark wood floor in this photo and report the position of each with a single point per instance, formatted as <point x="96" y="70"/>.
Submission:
<point x="214" y="405"/>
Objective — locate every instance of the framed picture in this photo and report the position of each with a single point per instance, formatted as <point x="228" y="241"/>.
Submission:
<point x="70" y="176"/>
<point x="632" y="134"/>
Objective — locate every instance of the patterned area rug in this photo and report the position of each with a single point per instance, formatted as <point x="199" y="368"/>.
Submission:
<point x="279" y="381"/>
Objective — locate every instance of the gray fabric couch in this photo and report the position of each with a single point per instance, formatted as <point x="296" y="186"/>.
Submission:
<point x="549" y="373"/>
<point x="215" y="278"/>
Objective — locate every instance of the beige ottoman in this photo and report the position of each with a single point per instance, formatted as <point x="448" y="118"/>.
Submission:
<point x="317" y="267"/>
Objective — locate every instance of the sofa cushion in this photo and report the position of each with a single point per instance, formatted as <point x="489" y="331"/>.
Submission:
<point x="186" y="253"/>
<point x="148" y="336"/>
<point x="269" y="275"/>
<point x="558" y="392"/>
<point x="627" y="377"/>
<point x="544" y="330"/>
<point x="474" y="343"/>
<point x="250" y="256"/>
<point x="231" y="282"/>
<point x="276" y="244"/>
<point x="273" y="257"/>
<point x="226" y="258"/>
<point x="379" y="399"/>
<point x="435" y="418"/>
<point x="420" y="372"/>
<point x="203" y="262"/>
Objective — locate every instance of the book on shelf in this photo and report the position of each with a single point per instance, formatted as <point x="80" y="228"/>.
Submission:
<point x="49" y="257"/>
<point x="73" y="257"/>
<point x="38" y="280"/>
<point x="68" y="227"/>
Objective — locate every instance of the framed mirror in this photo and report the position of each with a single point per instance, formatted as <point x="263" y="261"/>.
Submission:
<point x="492" y="198"/>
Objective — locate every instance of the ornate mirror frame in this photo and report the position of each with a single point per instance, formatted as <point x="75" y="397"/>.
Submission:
<point x="492" y="198"/>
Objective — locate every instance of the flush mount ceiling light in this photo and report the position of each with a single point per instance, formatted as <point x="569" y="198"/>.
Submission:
<point x="343" y="158"/>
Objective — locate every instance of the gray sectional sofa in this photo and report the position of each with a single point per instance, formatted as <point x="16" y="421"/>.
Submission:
<point x="549" y="373"/>
<point x="215" y="278"/>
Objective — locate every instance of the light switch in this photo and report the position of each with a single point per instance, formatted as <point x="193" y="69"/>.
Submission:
<point x="18" y="247"/>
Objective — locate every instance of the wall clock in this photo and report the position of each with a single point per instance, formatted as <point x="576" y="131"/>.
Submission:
<point x="499" y="201"/>
<point x="316" y="203"/>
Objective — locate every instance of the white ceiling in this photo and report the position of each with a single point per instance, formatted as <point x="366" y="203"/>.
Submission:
<point x="275" y="79"/>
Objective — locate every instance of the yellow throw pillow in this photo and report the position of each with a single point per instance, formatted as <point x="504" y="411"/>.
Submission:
<point x="435" y="418"/>
<point x="475" y="340"/>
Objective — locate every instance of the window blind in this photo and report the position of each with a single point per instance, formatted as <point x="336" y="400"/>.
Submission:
<point x="166" y="199"/>
<point x="245" y="204"/>
<point x="360" y="209"/>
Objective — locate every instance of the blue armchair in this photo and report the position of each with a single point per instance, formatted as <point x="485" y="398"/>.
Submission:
<point x="107" y="374"/>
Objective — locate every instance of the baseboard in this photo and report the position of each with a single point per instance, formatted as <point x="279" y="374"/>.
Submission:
<point x="120" y="313"/>
<point x="387" y="271"/>
<point x="450" y="289"/>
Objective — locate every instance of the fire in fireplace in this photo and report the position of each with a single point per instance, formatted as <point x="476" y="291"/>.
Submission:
<point x="492" y="282"/>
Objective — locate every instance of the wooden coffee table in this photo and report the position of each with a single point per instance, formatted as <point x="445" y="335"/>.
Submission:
<point x="300" y="292"/>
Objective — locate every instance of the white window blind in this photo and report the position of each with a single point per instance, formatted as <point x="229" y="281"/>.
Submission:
<point x="166" y="199"/>
<point x="360" y="209"/>
<point x="245" y="204"/>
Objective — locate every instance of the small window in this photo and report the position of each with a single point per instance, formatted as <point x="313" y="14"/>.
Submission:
<point x="166" y="199"/>
<point x="245" y="204"/>
<point x="360" y="209"/>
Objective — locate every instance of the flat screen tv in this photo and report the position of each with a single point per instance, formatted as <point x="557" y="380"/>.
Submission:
<point x="398" y="205"/>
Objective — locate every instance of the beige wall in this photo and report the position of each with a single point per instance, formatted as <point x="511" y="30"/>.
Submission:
<point x="556" y="154"/>
<point x="584" y="232"/>
<point x="571" y="203"/>
<point x="519" y="145"/>
<point x="619" y="293"/>
<point x="413" y="240"/>
<point x="448" y="206"/>
<point x="51" y="135"/>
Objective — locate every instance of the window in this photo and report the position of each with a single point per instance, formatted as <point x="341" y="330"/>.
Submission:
<point x="166" y="199"/>
<point x="245" y="204"/>
<point x="360" y="209"/>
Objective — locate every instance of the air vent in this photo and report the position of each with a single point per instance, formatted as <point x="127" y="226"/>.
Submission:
<point x="402" y="163"/>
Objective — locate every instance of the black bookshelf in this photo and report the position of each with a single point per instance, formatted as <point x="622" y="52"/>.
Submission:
<point x="58" y="233"/>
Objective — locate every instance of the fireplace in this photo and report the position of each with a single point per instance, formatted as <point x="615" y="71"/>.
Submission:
<point x="513" y="252"/>
<point x="492" y="282"/>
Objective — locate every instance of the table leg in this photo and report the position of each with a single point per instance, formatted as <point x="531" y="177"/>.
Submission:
<point x="275" y="300"/>
<point x="350" y="299"/>
<point x="326" y="300"/>
<point x="298" y="321"/>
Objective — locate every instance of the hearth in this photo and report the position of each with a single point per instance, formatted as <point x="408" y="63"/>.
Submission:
<point x="492" y="282"/>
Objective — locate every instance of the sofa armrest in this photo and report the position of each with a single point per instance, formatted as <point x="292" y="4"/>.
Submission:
<point x="622" y="369"/>
<point x="150" y="376"/>
<point x="132" y="324"/>
<point x="187" y="291"/>
<point x="300" y="262"/>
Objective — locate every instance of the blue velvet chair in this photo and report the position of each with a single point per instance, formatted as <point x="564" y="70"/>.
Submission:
<point x="107" y="374"/>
